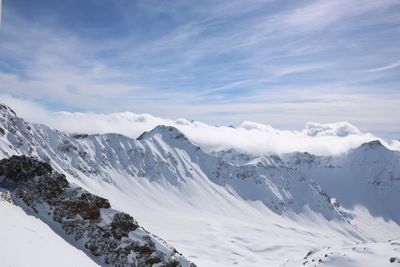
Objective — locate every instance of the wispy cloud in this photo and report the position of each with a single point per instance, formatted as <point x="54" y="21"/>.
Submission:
<point x="218" y="61"/>
<point x="322" y="14"/>
<point x="386" y="67"/>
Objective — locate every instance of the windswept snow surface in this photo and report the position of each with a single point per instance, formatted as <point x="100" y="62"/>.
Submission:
<point x="360" y="254"/>
<point x="28" y="241"/>
<point x="228" y="208"/>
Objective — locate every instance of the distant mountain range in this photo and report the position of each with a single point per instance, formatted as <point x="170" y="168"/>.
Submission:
<point x="223" y="208"/>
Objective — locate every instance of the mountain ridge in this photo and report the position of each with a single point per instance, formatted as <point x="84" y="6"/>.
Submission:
<point x="163" y="173"/>
<point x="169" y="151"/>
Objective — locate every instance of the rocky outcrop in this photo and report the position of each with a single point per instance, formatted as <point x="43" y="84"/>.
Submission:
<point x="109" y="236"/>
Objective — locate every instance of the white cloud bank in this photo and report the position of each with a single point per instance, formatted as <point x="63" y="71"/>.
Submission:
<point x="252" y="137"/>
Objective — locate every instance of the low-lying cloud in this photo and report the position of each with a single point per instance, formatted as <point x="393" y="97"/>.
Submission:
<point x="251" y="137"/>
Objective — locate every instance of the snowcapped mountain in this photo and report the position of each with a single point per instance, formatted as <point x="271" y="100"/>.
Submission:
<point x="368" y="176"/>
<point x="165" y="155"/>
<point x="226" y="207"/>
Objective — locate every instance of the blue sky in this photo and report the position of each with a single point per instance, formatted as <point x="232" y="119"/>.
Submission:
<point x="276" y="62"/>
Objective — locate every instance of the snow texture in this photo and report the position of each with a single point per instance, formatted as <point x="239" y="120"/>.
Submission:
<point x="228" y="207"/>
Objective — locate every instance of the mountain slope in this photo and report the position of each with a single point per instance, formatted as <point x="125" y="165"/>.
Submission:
<point x="368" y="176"/>
<point x="236" y="208"/>
<point x="27" y="241"/>
<point x="85" y="220"/>
<point x="359" y="254"/>
<point x="166" y="156"/>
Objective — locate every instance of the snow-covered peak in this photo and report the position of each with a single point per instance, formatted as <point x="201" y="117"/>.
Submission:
<point x="6" y="110"/>
<point x="168" y="136"/>
<point x="166" y="132"/>
<point x="375" y="144"/>
<point x="373" y="152"/>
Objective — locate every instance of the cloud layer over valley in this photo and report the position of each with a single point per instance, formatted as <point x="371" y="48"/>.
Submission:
<point x="251" y="137"/>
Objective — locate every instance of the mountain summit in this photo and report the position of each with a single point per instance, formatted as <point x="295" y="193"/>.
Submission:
<point x="167" y="132"/>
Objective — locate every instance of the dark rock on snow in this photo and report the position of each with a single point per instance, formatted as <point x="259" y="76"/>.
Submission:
<point x="110" y="237"/>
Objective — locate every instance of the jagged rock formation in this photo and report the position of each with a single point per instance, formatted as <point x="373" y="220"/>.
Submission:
<point x="111" y="237"/>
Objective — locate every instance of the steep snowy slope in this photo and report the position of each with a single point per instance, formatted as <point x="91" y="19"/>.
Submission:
<point x="27" y="241"/>
<point x="366" y="177"/>
<point x="217" y="209"/>
<point x="109" y="237"/>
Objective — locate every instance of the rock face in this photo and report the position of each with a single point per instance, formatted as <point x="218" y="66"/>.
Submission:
<point x="110" y="237"/>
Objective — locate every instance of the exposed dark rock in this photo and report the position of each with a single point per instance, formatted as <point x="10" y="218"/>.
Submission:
<point x="172" y="264"/>
<point x="393" y="259"/>
<point x="82" y="208"/>
<point x="309" y="253"/>
<point x="96" y="200"/>
<point x="142" y="136"/>
<point x="80" y="136"/>
<point x="6" y="109"/>
<point x="48" y="194"/>
<point x="25" y="197"/>
<point x="23" y="168"/>
<point x="153" y="260"/>
<point x="122" y="224"/>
